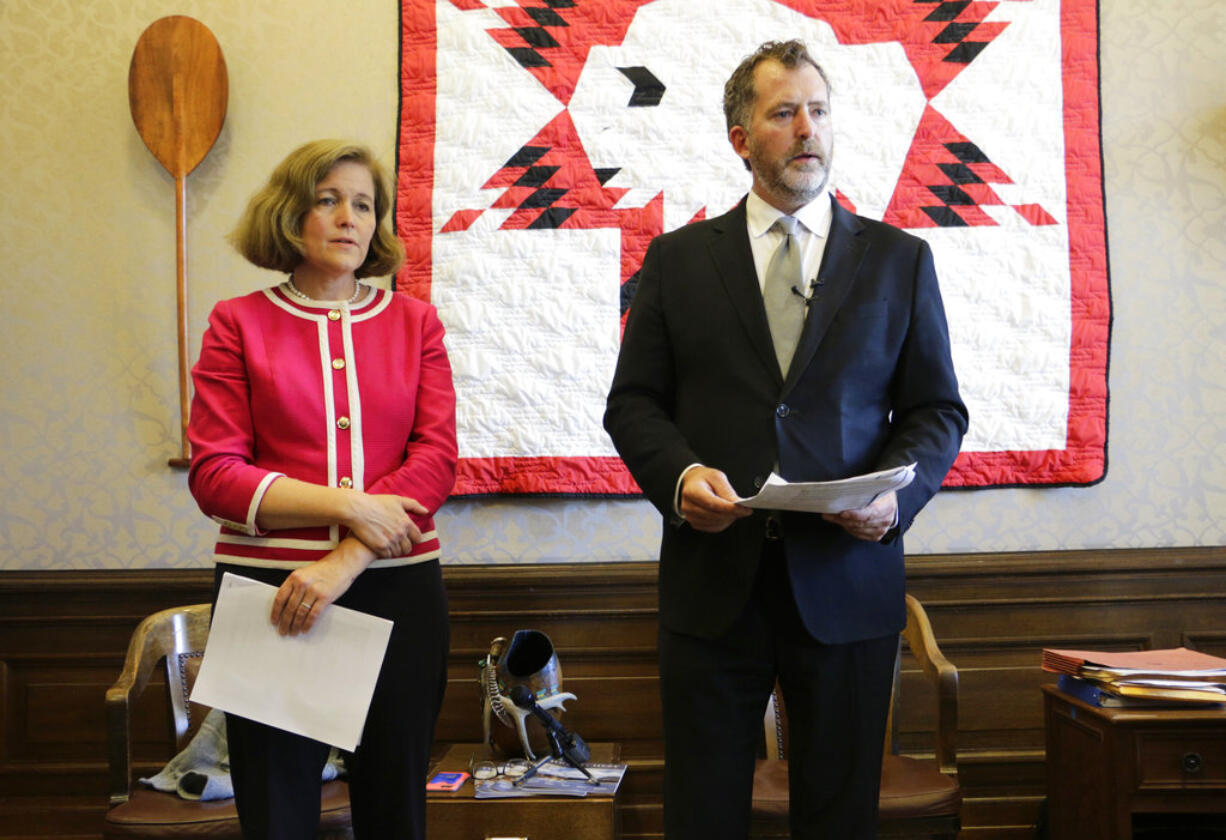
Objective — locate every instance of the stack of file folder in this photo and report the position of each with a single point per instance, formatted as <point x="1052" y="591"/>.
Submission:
<point x="1171" y="677"/>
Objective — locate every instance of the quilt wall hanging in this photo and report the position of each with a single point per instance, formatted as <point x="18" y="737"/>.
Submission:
<point x="543" y="143"/>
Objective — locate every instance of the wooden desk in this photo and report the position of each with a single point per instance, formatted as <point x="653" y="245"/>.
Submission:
<point x="1104" y="765"/>
<point x="459" y="816"/>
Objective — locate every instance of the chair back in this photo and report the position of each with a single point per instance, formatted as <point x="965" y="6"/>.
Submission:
<point x="923" y="646"/>
<point x="917" y="796"/>
<point x="775" y="722"/>
<point x="174" y="638"/>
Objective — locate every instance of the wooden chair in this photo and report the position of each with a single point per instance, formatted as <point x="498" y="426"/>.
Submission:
<point x="176" y="637"/>
<point x="919" y="798"/>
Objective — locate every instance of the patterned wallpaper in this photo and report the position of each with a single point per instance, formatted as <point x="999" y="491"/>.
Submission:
<point x="89" y="408"/>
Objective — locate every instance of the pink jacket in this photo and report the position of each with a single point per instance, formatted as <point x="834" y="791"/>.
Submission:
<point x="340" y="396"/>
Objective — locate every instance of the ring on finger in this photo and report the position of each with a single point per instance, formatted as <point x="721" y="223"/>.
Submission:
<point x="305" y="606"/>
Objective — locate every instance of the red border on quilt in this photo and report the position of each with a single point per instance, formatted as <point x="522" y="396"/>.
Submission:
<point x="1084" y="458"/>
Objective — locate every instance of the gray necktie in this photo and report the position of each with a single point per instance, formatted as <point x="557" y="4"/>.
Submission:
<point x="785" y="309"/>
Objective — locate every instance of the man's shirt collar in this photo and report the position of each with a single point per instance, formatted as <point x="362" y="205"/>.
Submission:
<point x="815" y="216"/>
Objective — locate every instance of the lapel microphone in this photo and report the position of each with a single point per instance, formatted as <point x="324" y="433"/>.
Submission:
<point x="814" y="285"/>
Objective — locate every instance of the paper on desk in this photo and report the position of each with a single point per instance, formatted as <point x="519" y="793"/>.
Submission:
<point x="829" y="496"/>
<point x="318" y="684"/>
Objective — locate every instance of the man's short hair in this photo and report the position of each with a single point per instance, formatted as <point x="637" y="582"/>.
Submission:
<point x="269" y="233"/>
<point x="739" y="93"/>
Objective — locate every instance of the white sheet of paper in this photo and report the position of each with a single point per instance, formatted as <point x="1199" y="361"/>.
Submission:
<point x="829" y="496"/>
<point x="318" y="684"/>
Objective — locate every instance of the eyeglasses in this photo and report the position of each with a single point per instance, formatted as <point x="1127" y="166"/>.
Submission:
<point x="512" y="768"/>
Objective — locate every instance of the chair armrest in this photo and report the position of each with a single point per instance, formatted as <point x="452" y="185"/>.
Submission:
<point x="138" y="666"/>
<point x="118" y="744"/>
<point x="944" y="676"/>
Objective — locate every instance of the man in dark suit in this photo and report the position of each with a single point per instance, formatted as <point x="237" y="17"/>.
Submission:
<point x="719" y="383"/>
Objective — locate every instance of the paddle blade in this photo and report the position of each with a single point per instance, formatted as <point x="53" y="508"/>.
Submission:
<point x="178" y="90"/>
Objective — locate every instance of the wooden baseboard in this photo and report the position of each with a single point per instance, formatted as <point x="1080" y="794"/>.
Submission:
<point x="63" y="637"/>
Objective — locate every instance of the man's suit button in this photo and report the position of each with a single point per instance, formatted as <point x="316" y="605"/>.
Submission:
<point x="782" y="411"/>
<point x="757" y="482"/>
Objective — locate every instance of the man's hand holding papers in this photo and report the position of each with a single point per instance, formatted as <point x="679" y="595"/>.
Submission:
<point x="871" y="522"/>
<point x="708" y="501"/>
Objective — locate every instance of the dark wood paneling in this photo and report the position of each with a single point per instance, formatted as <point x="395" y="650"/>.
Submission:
<point x="63" y="637"/>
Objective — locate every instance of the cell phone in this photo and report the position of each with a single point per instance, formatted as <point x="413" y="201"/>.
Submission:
<point x="447" y="781"/>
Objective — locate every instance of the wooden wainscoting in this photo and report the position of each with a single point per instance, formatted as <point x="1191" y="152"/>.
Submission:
<point x="63" y="636"/>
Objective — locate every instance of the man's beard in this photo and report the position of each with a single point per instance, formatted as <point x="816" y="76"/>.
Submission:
<point x="799" y="186"/>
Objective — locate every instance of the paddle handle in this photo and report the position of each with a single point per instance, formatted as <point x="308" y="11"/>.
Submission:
<point x="184" y="459"/>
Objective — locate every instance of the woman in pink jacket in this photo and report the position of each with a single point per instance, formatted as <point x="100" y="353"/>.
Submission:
<point x="323" y="441"/>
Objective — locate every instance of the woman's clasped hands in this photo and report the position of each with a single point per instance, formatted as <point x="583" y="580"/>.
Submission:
<point x="380" y="526"/>
<point x="383" y="524"/>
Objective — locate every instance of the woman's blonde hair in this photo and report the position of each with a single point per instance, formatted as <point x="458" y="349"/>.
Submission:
<point x="269" y="233"/>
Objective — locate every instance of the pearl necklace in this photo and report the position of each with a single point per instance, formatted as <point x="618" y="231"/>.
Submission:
<point x="358" y="290"/>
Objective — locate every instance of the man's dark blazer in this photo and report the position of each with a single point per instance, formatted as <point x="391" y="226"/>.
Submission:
<point x="871" y="386"/>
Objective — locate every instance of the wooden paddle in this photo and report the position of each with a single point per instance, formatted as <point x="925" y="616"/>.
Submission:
<point x="178" y="90"/>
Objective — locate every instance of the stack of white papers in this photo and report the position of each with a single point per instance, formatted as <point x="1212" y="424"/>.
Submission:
<point x="829" y="496"/>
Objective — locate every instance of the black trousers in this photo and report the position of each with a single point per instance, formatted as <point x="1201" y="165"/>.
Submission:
<point x="714" y="694"/>
<point x="277" y="774"/>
